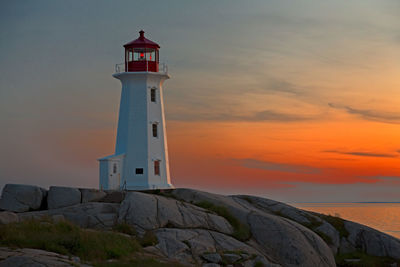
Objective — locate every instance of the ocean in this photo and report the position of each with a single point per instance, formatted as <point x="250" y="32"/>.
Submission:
<point x="384" y="217"/>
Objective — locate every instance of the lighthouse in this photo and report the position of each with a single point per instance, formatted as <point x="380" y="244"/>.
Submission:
<point x="140" y="160"/>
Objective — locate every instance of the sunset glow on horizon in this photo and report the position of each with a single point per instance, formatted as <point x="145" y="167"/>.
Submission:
<point x="290" y="101"/>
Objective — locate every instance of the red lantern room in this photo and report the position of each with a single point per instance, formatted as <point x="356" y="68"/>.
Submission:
<point x="141" y="55"/>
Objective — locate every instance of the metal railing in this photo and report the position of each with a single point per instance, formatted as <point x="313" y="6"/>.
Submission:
<point x="123" y="187"/>
<point x="162" y="68"/>
<point x="119" y="67"/>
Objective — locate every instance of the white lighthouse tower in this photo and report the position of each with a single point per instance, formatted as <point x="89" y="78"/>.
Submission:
<point x="141" y="156"/>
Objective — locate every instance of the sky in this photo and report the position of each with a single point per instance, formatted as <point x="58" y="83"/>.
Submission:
<point x="290" y="100"/>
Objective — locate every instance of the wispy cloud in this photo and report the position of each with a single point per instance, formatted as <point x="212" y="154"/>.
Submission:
<point x="275" y="166"/>
<point x="384" y="180"/>
<point x="369" y="114"/>
<point x="270" y="115"/>
<point x="389" y="178"/>
<point x="282" y="86"/>
<point x="363" y="154"/>
<point x="260" y="116"/>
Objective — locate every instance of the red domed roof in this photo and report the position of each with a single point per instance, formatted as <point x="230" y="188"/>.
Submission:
<point x="142" y="42"/>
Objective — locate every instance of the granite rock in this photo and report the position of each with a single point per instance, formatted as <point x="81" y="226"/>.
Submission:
<point x="211" y="265"/>
<point x="371" y="241"/>
<point x="212" y="257"/>
<point x="231" y="258"/>
<point x="60" y="197"/>
<point x="21" y="198"/>
<point x="284" y="241"/>
<point x="330" y="231"/>
<point x="149" y="212"/>
<point x="7" y="217"/>
<point x="35" y="258"/>
<point x="87" y="215"/>
<point x="280" y="235"/>
<point x="91" y="195"/>
<point x="191" y="245"/>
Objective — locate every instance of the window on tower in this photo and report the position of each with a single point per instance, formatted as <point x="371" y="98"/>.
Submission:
<point x="151" y="56"/>
<point x="156" y="167"/>
<point x="115" y="168"/>
<point x="139" y="170"/>
<point x="139" y="55"/>
<point x="153" y="95"/>
<point x="129" y="55"/>
<point x="155" y="129"/>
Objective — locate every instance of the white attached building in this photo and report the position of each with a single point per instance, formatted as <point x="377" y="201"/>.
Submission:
<point x="141" y="155"/>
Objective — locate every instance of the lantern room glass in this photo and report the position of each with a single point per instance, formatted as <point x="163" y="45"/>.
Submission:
<point x="140" y="54"/>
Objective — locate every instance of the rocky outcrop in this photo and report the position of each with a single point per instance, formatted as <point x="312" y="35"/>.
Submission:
<point x="348" y="237"/>
<point x="7" y="217"/>
<point x="284" y="241"/>
<point x="91" y="195"/>
<point x="194" y="246"/>
<point x="288" y="242"/>
<point x="59" y="197"/>
<point x="328" y="230"/>
<point x="21" y="198"/>
<point x="203" y="229"/>
<point x="35" y="258"/>
<point x="280" y="209"/>
<point x="212" y="257"/>
<point x="87" y="215"/>
<point x="372" y="241"/>
<point x="308" y="219"/>
<point x="149" y="212"/>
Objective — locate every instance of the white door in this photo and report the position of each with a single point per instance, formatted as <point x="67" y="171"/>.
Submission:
<point x="114" y="178"/>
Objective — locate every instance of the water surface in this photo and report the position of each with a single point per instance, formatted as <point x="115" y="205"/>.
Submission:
<point x="384" y="217"/>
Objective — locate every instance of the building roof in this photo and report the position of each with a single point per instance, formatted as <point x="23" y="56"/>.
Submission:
<point x="112" y="157"/>
<point x="142" y="42"/>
